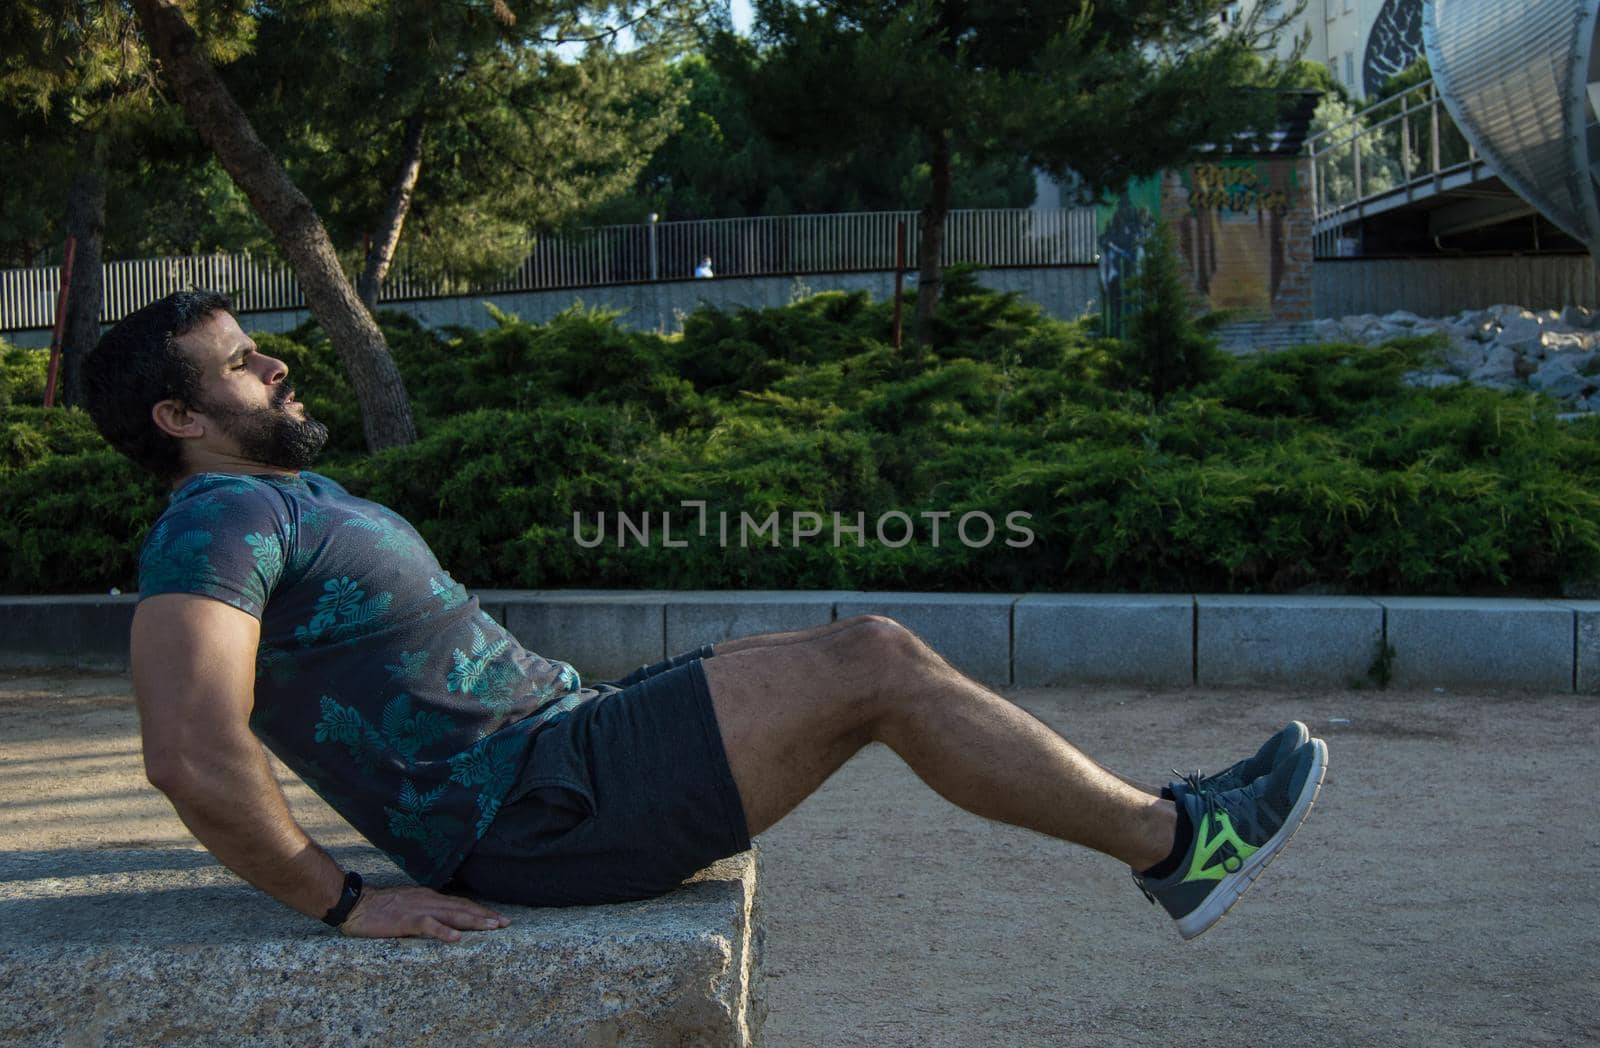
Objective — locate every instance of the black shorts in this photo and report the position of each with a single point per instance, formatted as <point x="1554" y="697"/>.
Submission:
<point x="620" y="799"/>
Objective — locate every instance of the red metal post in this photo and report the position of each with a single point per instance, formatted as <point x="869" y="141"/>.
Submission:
<point x="61" y="320"/>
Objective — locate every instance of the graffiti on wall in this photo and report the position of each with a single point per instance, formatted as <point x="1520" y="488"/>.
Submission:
<point x="1231" y="223"/>
<point x="1121" y="226"/>
<point x="1230" y="220"/>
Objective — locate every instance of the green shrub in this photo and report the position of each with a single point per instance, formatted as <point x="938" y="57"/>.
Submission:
<point x="23" y="373"/>
<point x="1165" y="349"/>
<point x="1314" y="467"/>
<point x="29" y="435"/>
<point x="74" y="523"/>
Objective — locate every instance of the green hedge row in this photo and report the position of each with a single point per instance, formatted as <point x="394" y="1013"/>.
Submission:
<point x="1315" y="470"/>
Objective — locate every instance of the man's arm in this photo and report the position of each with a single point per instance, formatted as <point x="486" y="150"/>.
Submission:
<point x="194" y="678"/>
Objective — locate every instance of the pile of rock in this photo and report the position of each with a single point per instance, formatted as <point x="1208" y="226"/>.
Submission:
<point x="1503" y="347"/>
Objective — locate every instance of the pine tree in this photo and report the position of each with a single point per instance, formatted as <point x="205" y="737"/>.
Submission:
<point x="1165" y="349"/>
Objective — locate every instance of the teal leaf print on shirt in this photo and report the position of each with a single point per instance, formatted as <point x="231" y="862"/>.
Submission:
<point x="453" y="595"/>
<point x="412" y="821"/>
<point x="407" y="731"/>
<point x="176" y="561"/>
<point x="483" y="674"/>
<point x="565" y="681"/>
<point x="345" y="724"/>
<point x="390" y="537"/>
<point x="409" y="668"/>
<point x="491" y="765"/>
<point x="342" y="610"/>
<point x="268" y="554"/>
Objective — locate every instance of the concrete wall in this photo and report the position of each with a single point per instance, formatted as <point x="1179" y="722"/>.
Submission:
<point x="1437" y="287"/>
<point x="1429" y="287"/>
<point x="1063" y="291"/>
<point x="1002" y="639"/>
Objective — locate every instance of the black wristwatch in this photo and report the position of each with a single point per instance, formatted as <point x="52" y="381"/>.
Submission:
<point x="347" y="901"/>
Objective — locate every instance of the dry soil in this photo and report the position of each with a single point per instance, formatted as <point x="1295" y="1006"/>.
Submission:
<point x="1442" y="892"/>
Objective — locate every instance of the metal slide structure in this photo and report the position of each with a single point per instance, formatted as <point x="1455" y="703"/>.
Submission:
<point x="1507" y="126"/>
<point x="1519" y="79"/>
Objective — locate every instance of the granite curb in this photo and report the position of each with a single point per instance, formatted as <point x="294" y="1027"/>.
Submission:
<point x="1003" y="640"/>
<point x="165" y="947"/>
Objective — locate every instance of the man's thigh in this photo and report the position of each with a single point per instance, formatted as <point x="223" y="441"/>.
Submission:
<point x="791" y="715"/>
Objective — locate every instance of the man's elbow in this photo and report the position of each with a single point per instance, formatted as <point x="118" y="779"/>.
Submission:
<point x="167" y="772"/>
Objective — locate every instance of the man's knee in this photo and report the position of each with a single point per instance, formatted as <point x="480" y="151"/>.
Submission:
<point x="881" y="641"/>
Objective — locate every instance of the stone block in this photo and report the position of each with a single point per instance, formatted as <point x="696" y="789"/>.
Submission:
<point x="1285" y="640"/>
<point x="165" y="947"/>
<point x="1468" y="643"/>
<point x="1586" y="651"/>
<point x="83" y="632"/>
<point x="604" y="634"/>
<point x="706" y="617"/>
<point x="1103" y="638"/>
<point x="972" y="631"/>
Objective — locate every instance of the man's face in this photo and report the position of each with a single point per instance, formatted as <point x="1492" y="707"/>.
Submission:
<point x="246" y="397"/>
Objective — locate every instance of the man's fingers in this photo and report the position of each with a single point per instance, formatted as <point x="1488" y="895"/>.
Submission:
<point x="420" y="911"/>
<point x="434" y="929"/>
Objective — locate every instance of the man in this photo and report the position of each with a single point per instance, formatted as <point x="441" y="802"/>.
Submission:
<point x="703" y="270"/>
<point x="276" y="606"/>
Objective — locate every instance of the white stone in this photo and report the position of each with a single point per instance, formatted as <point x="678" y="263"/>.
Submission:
<point x="1465" y="357"/>
<point x="1578" y="317"/>
<point x="1519" y="331"/>
<point x="1561" y="380"/>
<point x="1559" y="342"/>
<point x="1430" y="379"/>
<point x="1402" y="318"/>
<point x="1504" y="312"/>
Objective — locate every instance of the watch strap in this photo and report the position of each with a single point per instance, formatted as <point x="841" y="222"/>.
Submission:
<point x="347" y="901"/>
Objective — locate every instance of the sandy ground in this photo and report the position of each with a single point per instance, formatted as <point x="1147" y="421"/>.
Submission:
<point x="1442" y="892"/>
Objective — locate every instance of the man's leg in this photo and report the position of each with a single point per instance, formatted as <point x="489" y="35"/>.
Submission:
<point x="791" y="714"/>
<point x="758" y="640"/>
<point x="763" y="640"/>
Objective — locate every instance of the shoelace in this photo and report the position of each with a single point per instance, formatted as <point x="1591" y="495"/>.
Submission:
<point x="1208" y="805"/>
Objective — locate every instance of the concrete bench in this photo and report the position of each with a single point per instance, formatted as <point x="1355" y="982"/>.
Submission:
<point x="165" y="947"/>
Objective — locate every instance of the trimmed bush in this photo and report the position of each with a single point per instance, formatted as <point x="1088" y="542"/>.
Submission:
<point x="1310" y="470"/>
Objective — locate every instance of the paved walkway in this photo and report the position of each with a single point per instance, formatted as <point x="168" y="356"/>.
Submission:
<point x="1441" y="893"/>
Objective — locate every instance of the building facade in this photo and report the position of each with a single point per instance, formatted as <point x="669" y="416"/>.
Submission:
<point x="1362" y="42"/>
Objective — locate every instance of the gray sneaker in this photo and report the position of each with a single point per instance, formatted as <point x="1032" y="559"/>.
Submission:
<point x="1276" y="749"/>
<point x="1236" y="833"/>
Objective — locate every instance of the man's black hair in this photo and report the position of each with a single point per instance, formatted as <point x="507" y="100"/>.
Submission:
<point x="135" y="366"/>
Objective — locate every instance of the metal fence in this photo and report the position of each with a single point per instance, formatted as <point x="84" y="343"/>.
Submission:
<point x="1405" y="145"/>
<point x="789" y="244"/>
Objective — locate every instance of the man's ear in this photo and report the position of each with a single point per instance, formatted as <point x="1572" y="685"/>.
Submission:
<point x="174" y="418"/>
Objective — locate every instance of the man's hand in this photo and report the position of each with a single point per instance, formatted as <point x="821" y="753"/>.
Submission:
<point x="399" y="912"/>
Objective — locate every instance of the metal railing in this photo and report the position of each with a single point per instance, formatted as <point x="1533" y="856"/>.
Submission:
<point x="739" y="247"/>
<point x="1406" y="145"/>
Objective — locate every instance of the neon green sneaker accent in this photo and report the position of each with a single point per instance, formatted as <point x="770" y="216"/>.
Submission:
<point x="1207" y="846"/>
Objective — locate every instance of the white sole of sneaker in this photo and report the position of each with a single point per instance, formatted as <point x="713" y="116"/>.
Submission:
<point x="1231" y="887"/>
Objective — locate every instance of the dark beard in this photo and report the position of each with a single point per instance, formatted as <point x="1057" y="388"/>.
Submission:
<point x="271" y="435"/>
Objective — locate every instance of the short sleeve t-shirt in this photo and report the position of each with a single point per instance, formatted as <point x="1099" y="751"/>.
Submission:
<point x="379" y="680"/>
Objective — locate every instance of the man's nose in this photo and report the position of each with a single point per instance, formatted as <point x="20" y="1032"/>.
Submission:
<point x="277" y="370"/>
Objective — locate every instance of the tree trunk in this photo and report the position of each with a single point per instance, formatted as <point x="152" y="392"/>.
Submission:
<point x="930" y="276"/>
<point x="385" y="409"/>
<point x="85" y="221"/>
<point x="381" y="254"/>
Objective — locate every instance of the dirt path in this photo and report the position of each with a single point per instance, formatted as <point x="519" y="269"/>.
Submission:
<point x="1443" y="892"/>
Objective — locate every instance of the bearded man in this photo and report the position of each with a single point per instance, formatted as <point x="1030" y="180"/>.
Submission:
<point x="275" y="607"/>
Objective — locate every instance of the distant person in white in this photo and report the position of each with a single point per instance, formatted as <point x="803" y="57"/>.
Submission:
<point x="703" y="270"/>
